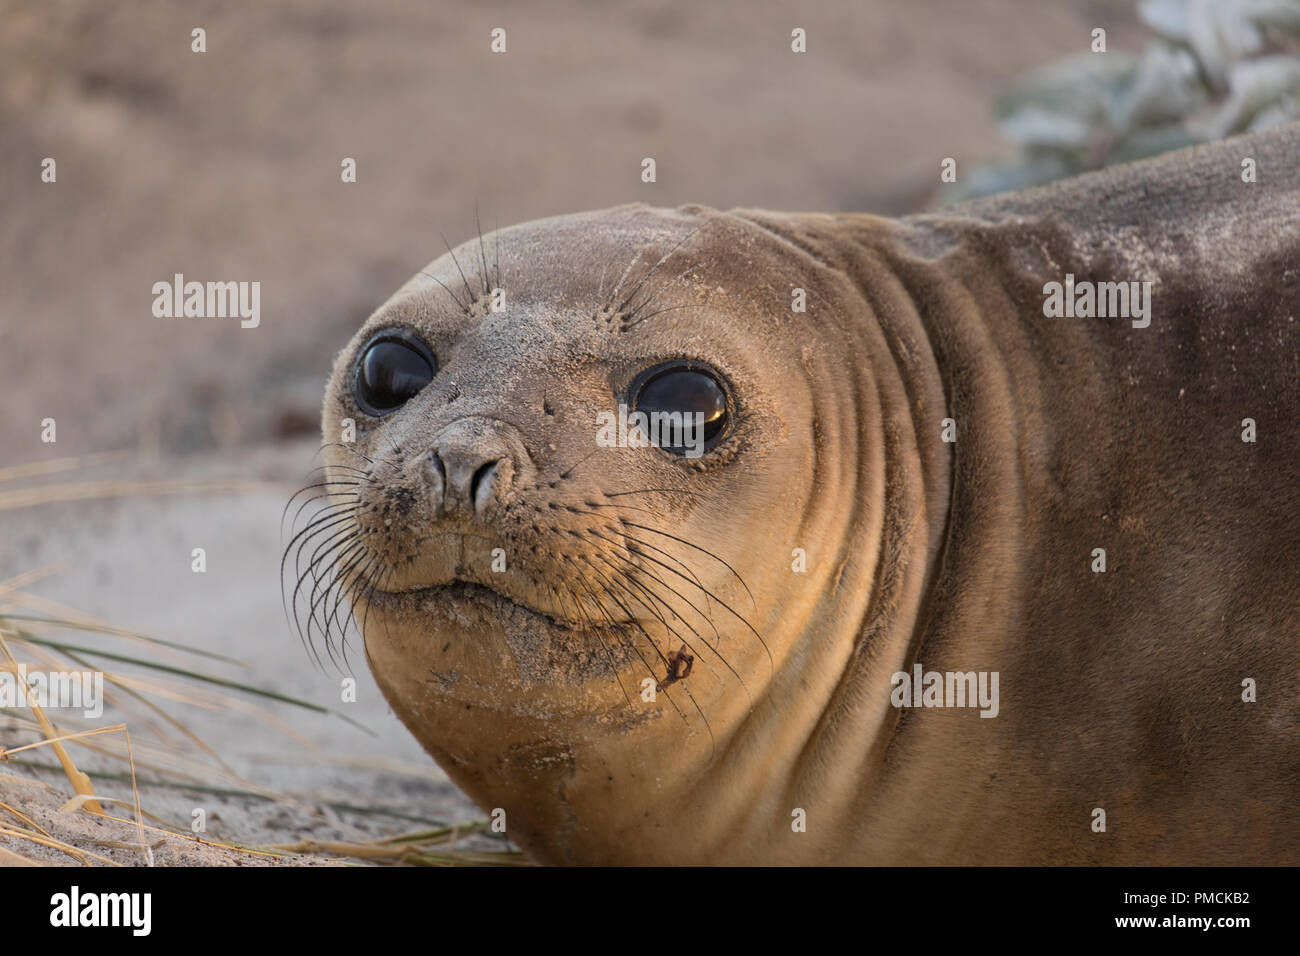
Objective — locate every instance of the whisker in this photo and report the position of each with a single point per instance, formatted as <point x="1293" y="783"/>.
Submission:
<point x="468" y="291"/>
<point x="698" y="586"/>
<point x="325" y="580"/>
<point x="646" y="318"/>
<point x="347" y="577"/>
<point x="461" y="305"/>
<point x="324" y="484"/>
<point x="330" y="511"/>
<point x="587" y="622"/>
<point x="702" y="551"/>
<point x="625" y="581"/>
<point x="346" y="447"/>
<point x="298" y="568"/>
<point x="721" y="603"/>
<point x="482" y="252"/>
<point x="642" y="491"/>
<point x="654" y="293"/>
<point x="668" y="666"/>
<point x="636" y="650"/>
<point x="614" y="292"/>
<point x="666" y="256"/>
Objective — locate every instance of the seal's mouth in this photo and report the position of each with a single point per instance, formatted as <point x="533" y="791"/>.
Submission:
<point x="471" y="640"/>
<point x="466" y="596"/>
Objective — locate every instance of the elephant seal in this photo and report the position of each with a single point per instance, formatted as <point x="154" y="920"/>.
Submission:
<point x="968" y="566"/>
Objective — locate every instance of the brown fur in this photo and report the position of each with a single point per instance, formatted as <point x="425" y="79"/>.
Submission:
<point x="1119" y="690"/>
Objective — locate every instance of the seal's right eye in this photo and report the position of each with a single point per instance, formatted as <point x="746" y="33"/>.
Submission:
<point x="393" y="369"/>
<point x="690" y="392"/>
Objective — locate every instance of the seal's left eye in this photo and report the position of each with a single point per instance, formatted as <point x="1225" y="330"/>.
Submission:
<point x="393" y="369"/>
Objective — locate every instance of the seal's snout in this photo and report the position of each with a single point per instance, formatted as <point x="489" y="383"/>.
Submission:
<point x="470" y="471"/>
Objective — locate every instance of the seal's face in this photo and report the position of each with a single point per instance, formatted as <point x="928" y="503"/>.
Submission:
<point x="540" y="590"/>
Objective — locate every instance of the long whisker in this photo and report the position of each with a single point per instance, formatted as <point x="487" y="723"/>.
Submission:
<point x="631" y="577"/>
<point x="312" y="573"/>
<point x="590" y="625"/>
<point x="625" y="581"/>
<point x="654" y="293"/>
<point x="646" y="318"/>
<point x="461" y="305"/>
<point x="326" y="579"/>
<point x="717" y="637"/>
<point x="642" y="491"/>
<point x="298" y="569"/>
<point x="721" y="603"/>
<point x="468" y="291"/>
<point x="343" y="579"/>
<point x="609" y="303"/>
<point x="348" y="498"/>
<point x="318" y="521"/>
<point x="669" y="667"/>
<point x="689" y="544"/>
<point x="482" y="252"/>
<point x="636" y="650"/>
<point x="346" y="447"/>
<point x="671" y="557"/>
<point x="666" y="256"/>
<point x="496" y="230"/>
<point x="309" y="500"/>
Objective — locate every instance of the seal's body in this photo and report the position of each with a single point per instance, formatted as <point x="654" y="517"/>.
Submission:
<point x="645" y="656"/>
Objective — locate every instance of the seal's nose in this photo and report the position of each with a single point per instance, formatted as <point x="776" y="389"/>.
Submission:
<point x="468" y="475"/>
<point x="468" y="481"/>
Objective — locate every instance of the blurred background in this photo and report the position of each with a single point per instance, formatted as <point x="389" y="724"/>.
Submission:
<point x="225" y="165"/>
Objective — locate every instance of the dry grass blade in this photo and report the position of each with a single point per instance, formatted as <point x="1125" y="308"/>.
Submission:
<point x="79" y="854"/>
<point x="408" y="852"/>
<point x="87" y="798"/>
<point x="91" y="490"/>
<point x="80" y="782"/>
<point x="97" y="628"/>
<point x="10" y="858"/>
<point x="32" y="469"/>
<point x="70" y="649"/>
<point x="23" y="818"/>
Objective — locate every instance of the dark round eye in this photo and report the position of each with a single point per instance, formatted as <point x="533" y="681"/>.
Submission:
<point x="686" y="405"/>
<point x="393" y="369"/>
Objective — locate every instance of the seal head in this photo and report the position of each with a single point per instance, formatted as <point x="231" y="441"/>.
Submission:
<point x="602" y="634"/>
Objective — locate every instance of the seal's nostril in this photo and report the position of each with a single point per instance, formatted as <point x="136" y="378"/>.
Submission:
<point x="436" y="465"/>
<point x="480" y="486"/>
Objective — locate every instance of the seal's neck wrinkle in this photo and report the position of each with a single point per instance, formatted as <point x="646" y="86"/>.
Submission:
<point x="874" y="517"/>
<point x="975" y="481"/>
<point x="902" y="401"/>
